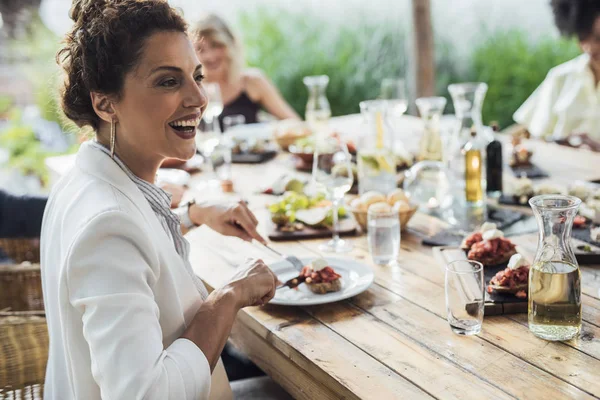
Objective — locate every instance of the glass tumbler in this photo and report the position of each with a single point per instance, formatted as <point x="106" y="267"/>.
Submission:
<point x="383" y="236"/>
<point x="465" y="296"/>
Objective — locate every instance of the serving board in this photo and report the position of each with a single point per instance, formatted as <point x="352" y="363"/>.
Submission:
<point x="503" y="218"/>
<point x="530" y="171"/>
<point x="582" y="240"/>
<point x="495" y="303"/>
<point x="348" y="227"/>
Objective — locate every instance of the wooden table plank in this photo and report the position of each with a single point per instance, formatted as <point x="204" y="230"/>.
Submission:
<point x="479" y="356"/>
<point x="317" y="349"/>
<point x="509" y="335"/>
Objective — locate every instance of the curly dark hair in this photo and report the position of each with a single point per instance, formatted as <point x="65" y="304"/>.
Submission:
<point x="575" y="17"/>
<point x="106" y="43"/>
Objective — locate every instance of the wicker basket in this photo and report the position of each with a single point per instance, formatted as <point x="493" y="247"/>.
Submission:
<point x="22" y="249"/>
<point x="23" y="355"/>
<point x="21" y="288"/>
<point x="362" y="217"/>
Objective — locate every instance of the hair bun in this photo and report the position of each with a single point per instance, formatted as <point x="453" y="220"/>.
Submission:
<point x="84" y="10"/>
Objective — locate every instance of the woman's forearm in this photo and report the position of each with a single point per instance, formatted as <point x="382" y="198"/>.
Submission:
<point x="212" y="324"/>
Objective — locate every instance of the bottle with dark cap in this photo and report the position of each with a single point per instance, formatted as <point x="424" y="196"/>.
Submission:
<point x="494" y="165"/>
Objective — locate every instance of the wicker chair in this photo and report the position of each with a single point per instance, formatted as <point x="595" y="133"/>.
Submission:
<point x="23" y="329"/>
<point x="23" y="355"/>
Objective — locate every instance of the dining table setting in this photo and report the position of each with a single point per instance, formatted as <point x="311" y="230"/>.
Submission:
<point x="405" y="322"/>
<point x="417" y="257"/>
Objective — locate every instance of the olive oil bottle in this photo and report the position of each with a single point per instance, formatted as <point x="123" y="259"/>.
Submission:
<point x="474" y="156"/>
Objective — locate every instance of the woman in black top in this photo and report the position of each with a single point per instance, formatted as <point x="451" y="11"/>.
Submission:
<point x="244" y="91"/>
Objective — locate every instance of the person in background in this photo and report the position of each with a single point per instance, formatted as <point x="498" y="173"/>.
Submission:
<point x="566" y="106"/>
<point x="21" y="216"/>
<point x="127" y="317"/>
<point x="244" y="91"/>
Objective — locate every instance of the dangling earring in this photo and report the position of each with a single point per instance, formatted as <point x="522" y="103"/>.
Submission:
<point x="113" y="133"/>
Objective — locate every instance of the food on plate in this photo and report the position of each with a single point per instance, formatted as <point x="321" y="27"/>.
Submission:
<point x="288" y="131"/>
<point x="580" y="190"/>
<point x="595" y="234"/>
<point x="549" y="188"/>
<point x="523" y="190"/>
<point x="488" y="246"/>
<point x="251" y="146"/>
<point x="513" y="279"/>
<point x="520" y="156"/>
<point x="294" y="211"/>
<point x="579" y="222"/>
<point x="321" y="278"/>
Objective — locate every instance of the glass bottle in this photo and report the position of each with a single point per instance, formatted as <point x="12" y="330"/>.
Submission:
<point x="474" y="158"/>
<point x="318" y="110"/>
<point x="376" y="160"/>
<point x="431" y="110"/>
<point x="554" y="277"/>
<point x="494" y="165"/>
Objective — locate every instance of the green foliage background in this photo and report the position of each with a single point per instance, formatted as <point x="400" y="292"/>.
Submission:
<point x="356" y="56"/>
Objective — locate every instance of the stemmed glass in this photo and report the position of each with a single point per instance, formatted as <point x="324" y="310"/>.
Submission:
<point x="209" y="136"/>
<point x="393" y="91"/>
<point x="332" y="174"/>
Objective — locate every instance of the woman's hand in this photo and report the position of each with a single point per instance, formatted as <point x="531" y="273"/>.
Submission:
<point x="254" y="284"/>
<point x="230" y="220"/>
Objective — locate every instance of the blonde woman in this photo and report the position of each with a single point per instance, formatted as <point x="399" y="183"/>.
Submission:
<point x="244" y="91"/>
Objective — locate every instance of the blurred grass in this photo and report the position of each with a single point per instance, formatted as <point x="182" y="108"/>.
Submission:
<point x="513" y="67"/>
<point x="356" y="58"/>
<point x="289" y="46"/>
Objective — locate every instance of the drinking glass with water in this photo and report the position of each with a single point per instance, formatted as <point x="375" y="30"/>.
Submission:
<point x="465" y="295"/>
<point x="383" y="236"/>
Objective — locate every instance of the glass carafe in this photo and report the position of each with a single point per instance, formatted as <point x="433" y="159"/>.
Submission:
<point x="554" y="277"/>
<point x="431" y="146"/>
<point x="318" y="110"/>
<point x="376" y="160"/>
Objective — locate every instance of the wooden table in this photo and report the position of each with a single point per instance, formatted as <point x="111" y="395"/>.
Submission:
<point x="393" y="340"/>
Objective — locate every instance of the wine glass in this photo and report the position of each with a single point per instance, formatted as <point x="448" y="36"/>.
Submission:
<point x="215" y="105"/>
<point x="332" y="174"/>
<point x="394" y="92"/>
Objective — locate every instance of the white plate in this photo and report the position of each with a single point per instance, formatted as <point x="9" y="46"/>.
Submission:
<point x="356" y="278"/>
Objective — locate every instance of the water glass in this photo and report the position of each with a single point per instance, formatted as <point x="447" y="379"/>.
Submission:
<point x="383" y="236"/>
<point x="465" y="295"/>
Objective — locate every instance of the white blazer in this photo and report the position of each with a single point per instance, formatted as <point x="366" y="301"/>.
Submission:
<point x="117" y="294"/>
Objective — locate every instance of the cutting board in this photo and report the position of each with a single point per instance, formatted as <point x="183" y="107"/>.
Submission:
<point x="496" y="303"/>
<point x="348" y="227"/>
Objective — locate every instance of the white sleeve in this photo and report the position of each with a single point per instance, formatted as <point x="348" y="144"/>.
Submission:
<point x="110" y="279"/>
<point x="537" y="113"/>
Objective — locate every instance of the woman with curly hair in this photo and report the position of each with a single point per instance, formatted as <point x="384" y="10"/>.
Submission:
<point x="126" y="315"/>
<point x="567" y="103"/>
